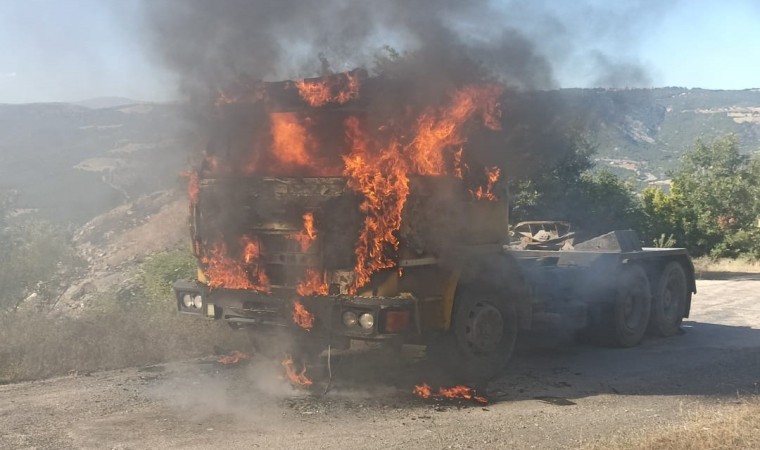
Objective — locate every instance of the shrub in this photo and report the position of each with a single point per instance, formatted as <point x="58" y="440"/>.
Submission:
<point x="159" y="271"/>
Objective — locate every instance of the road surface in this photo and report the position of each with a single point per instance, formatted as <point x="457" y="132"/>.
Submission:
<point x="554" y="395"/>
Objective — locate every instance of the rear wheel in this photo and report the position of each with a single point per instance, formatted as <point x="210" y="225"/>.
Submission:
<point x="623" y="321"/>
<point x="669" y="301"/>
<point x="632" y="307"/>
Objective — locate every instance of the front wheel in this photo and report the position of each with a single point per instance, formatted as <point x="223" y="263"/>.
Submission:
<point x="482" y="338"/>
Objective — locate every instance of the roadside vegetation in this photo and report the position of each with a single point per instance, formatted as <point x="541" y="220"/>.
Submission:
<point x="732" y="426"/>
<point x="134" y="325"/>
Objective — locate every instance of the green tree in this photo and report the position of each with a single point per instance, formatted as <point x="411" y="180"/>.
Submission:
<point x="661" y="216"/>
<point x="713" y="205"/>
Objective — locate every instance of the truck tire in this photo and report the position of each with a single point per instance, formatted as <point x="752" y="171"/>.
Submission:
<point x="631" y="307"/>
<point x="623" y="321"/>
<point x="669" y="300"/>
<point x="481" y="340"/>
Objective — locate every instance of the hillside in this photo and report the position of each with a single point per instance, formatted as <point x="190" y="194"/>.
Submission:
<point x="72" y="163"/>
<point x="644" y="131"/>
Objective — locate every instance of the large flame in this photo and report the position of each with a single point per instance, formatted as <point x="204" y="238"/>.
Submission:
<point x="382" y="176"/>
<point x="383" y="181"/>
<point x="377" y="162"/>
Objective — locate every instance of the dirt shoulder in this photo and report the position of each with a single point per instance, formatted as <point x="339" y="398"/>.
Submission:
<point x="555" y="395"/>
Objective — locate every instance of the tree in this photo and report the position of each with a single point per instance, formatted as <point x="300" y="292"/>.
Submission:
<point x="713" y="204"/>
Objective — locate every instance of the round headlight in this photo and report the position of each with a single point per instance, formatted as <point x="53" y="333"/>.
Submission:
<point x="187" y="300"/>
<point x="366" y="320"/>
<point x="349" y="318"/>
<point x="198" y="301"/>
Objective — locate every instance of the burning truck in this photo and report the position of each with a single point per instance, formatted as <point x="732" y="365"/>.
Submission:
<point x="323" y="212"/>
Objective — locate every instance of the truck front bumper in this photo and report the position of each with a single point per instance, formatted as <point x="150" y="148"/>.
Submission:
<point x="391" y="317"/>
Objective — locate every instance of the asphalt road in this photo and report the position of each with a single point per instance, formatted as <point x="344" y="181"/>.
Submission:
<point x="555" y="394"/>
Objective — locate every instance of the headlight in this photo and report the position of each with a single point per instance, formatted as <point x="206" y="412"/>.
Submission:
<point x="198" y="301"/>
<point x="187" y="300"/>
<point x="349" y="318"/>
<point x="366" y="320"/>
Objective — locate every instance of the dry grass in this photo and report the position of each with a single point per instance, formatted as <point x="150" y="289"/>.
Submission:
<point x="733" y="426"/>
<point x="713" y="268"/>
<point x="38" y="346"/>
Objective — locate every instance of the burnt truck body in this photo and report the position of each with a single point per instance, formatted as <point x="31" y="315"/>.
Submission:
<point x="462" y="283"/>
<point x="351" y="207"/>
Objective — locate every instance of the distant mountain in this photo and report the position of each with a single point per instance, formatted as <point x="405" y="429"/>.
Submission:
<point x="645" y="131"/>
<point x="106" y="102"/>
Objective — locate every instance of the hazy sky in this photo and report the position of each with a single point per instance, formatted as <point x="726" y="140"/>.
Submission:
<point x="68" y="50"/>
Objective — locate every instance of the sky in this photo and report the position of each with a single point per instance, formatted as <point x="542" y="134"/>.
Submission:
<point x="71" y="50"/>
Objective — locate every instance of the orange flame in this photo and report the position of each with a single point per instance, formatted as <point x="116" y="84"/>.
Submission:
<point x="233" y="358"/>
<point x="314" y="284"/>
<point x="338" y="89"/>
<point x="295" y="377"/>
<point x="291" y="142"/>
<point x="223" y="271"/>
<point x="308" y="235"/>
<point x="302" y="317"/>
<point x="492" y="176"/>
<point x="424" y="391"/>
<point x="377" y="167"/>
<point x="384" y="183"/>
<point x="440" y="128"/>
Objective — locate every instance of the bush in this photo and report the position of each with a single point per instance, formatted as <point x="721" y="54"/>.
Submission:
<point x="37" y="257"/>
<point x="159" y="271"/>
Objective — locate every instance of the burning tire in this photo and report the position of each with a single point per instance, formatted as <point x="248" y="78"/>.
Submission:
<point x="482" y="337"/>
<point x="669" y="301"/>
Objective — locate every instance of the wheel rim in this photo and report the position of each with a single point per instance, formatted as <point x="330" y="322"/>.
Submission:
<point x="484" y="328"/>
